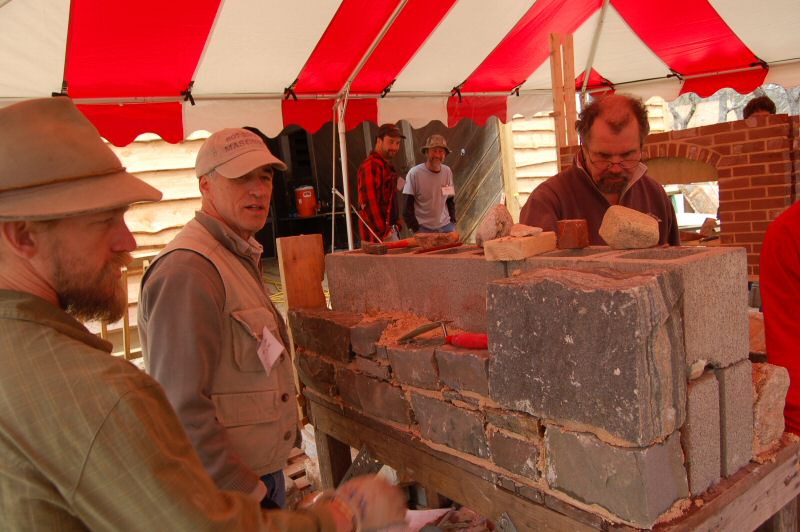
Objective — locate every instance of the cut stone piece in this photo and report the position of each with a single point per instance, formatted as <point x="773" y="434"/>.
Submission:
<point x="449" y="425"/>
<point x="523" y="424"/>
<point x="770" y="384"/>
<point x="315" y="372"/>
<point x="572" y="234"/>
<point x="414" y="366"/>
<point x="700" y="435"/>
<point x="736" y="415"/>
<point x="519" y="248"/>
<point x="624" y="228"/>
<point x="374" y="397"/>
<point x="603" y="349"/>
<point x="636" y="484"/>
<point x="463" y="369"/>
<point x="372" y="368"/>
<point x="515" y="454"/>
<point x="324" y="331"/>
<point x="365" y="334"/>
<point x="497" y="223"/>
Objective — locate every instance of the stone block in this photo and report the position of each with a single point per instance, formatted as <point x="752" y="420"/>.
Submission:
<point x="383" y="400"/>
<point x="624" y="228"/>
<point x="770" y="384"/>
<point x="736" y="416"/>
<point x="572" y="234"/>
<point x="324" y="331"/>
<point x="315" y="372"/>
<point x="454" y="397"/>
<point x="495" y="224"/>
<point x="463" y="369"/>
<point x="365" y="334"/>
<point x="714" y="302"/>
<point x="373" y="368"/>
<point x="450" y="286"/>
<point x="700" y="435"/>
<point x="523" y="424"/>
<point x="602" y="349"/>
<point x="515" y="454"/>
<point x="636" y="484"/>
<point x="346" y="386"/>
<point x="449" y="425"/>
<point x="414" y="366"/>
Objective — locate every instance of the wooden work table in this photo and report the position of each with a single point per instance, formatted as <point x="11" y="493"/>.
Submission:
<point x="739" y="503"/>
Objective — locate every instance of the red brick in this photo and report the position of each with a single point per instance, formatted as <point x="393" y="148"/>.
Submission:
<point x="715" y="128"/>
<point x="770" y="203"/>
<point x="714" y="158"/>
<point x="750" y="193"/>
<point x="780" y="168"/>
<point x="724" y="149"/>
<point x="737" y="227"/>
<point x="752" y="271"/>
<point x="672" y="151"/>
<point x="702" y="141"/>
<point x="726" y="238"/>
<point x="692" y="152"/>
<point x="752" y="259"/>
<point x="727" y="138"/>
<point x="662" y="150"/>
<point x="684" y="133"/>
<point x="726" y="216"/>
<point x="760" y="226"/>
<point x="752" y="169"/>
<point x="725" y="195"/>
<point x="748" y="147"/>
<point x="778" y="190"/>
<point x="749" y="237"/>
<point x="774" y="213"/>
<point x="572" y="234"/>
<point x="734" y="183"/>
<point x="682" y="149"/>
<point x="724" y="172"/>
<point x="657" y="137"/>
<point x="733" y="160"/>
<point x="772" y="131"/>
<point x="750" y="216"/>
<point x="776" y="144"/>
<point x="769" y="157"/>
<point x="763" y="180"/>
<point x="731" y="206"/>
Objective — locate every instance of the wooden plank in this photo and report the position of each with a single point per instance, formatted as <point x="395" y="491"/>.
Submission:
<point x="173" y="184"/>
<point x="302" y="266"/>
<point x="295" y="468"/>
<point x="334" y="458"/>
<point x="783" y="521"/>
<point x="158" y="155"/>
<point x="509" y="170"/>
<point x="519" y="248"/>
<point x="149" y="241"/>
<point x="428" y="467"/>
<point x="557" y="80"/>
<point x="569" y="89"/>
<point x="750" y="497"/>
<point x="158" y="216"/>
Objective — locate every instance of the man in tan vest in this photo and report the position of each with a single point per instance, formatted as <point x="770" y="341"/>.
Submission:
<point x="87" y="441"/>
<point x="210" y="334"/>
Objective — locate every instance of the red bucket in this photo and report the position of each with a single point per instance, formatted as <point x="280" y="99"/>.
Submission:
<point x="306" y="200"/>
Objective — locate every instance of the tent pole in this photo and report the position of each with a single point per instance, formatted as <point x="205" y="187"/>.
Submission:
<point x="340" y="108"/>
<point x="593" y="50"/>
<point x="333" y="181"/>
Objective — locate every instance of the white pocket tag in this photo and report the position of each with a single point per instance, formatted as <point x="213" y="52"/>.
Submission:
<point x="269" y="349"/>
<point x="448" y="191"/>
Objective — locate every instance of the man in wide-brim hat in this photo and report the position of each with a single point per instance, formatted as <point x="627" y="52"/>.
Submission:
<point x="87" y="441"/>
<point x="429" y="191"/>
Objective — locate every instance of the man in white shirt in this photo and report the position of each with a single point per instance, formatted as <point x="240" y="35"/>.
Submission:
<point x="429" y="191"/>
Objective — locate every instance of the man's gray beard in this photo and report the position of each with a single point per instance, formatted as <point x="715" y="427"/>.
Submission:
<point x="85" y="298"/>
<point x="608" y="187"/>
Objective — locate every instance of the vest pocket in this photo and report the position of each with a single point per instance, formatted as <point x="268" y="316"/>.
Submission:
<point x="248" y="330"/>
<point x="249" y="408"/>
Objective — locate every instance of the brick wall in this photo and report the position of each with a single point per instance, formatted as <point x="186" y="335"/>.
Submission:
<point x="757" y="162"/>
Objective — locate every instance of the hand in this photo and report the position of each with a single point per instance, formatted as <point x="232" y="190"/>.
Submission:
<point x="378" y="503"/>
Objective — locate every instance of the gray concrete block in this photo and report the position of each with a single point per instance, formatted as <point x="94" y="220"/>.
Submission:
<point x="515" y="454"/>
<point x="736" y="415"/>
<point x="449" y="425"/>
<point x="448" y="286"/>
<point x="414" y="366"/>
<point x="601" y="348"/>
<point x="714" y="305"/>
<point x="700" y="435"/>
<point x="463" y="369"/>
<point x="636" y="484"/>
<point x="323" y="331"/>
<point x="315" y="372"/>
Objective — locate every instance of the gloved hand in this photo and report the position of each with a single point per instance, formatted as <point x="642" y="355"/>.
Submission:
<point x="377" y="503"/>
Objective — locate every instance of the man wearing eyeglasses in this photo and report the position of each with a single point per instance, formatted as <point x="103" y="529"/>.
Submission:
<point x="607" y="171"/>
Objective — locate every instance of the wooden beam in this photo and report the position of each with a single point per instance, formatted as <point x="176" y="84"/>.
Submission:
<point x="569" y="89"/>
<point x="557" y="79"/>
<point x="334" y="459"/>
<point x="506" y="137"/>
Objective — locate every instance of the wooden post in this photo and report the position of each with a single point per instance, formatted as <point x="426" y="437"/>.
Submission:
<point x="568" y="57"/>
<point x="557" y="79"/>
<point x="334" y="459"/>
<point x="301" y="261"/>
<point x="506" y="138"/>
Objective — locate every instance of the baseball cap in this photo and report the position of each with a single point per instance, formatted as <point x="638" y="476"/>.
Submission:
<point x="233" y="152"/>
<point x="390" y="130"/>
<point x="53" y="164"/>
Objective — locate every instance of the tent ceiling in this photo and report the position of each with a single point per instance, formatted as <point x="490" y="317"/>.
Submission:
<point x="128" y="63"/>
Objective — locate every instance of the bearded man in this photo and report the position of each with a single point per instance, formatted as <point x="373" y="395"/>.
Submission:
<point x="607" y="171"/>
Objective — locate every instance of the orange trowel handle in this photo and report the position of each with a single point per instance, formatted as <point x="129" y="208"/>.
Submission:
<point x="468" y="340"/>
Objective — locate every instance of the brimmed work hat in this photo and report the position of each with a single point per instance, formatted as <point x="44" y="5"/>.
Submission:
<point x="233" y="152"/>
<point x="389" y="130"/>
<point x="53" y="164"/>
<point x="435" y="141"/>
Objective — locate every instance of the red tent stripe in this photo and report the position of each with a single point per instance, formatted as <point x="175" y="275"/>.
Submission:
<point x="409" y="31"/>
<point x="121" y="124"/>
<point x="742" y="82"/>
<point x="477" y="108"/>
<point x="344" y="43"/>
<point x="527" y="45"/>
<point x="143" y="48"/>
<point x="688" y="35"/>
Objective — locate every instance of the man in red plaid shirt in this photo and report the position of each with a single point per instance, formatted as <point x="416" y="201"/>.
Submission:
<point x="377" y="187"/>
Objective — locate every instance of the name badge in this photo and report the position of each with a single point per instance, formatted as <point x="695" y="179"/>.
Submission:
<point x="448" y="191"/>
<point x="269" y="349"/>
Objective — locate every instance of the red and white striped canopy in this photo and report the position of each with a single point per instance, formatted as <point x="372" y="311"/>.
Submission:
<point x="131" y="65"/>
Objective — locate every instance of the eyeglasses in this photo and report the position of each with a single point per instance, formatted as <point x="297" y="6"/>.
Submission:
<point x="605" y="163"/>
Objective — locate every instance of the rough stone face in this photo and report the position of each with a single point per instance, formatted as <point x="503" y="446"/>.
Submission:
<point x="444" y="423"/>
<point x="572" y="234"/>
<point x="637" y="484"/>
<point x="736" y="416"/>
<point x="700" y="435"/>
<point x="514" y="454"/>
<point x="372" y="396"/>
<point x="758" y="341"/>
<point x="364" y="335"/>
<point x="624" y="228"/>
<point x="414" y="366"/>
<point x="346" y="385"/>
<point x="495" y="224"/>
<point x="323" y="331"/>
<point x="770" y="384"/>
<point x="372" y="368"/>
<point x="439" y="287"/>
<point x="523" y="424"/>
<point x="714" y="298"/>
<point x="463" y="369"/>
<point x="602" y="348"/>
<point x="315" y="372"/>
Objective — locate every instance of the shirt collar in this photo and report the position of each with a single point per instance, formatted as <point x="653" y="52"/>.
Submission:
<point x="249" y="249"/>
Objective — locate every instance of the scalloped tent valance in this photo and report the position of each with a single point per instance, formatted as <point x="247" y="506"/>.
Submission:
<point x="137" y="67"/>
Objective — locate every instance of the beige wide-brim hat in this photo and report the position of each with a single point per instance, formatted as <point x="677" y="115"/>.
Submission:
<point x="435" y="141"/>
<point x="53" y="164"/>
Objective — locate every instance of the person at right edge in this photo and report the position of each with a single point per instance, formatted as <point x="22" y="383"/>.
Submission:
<point x="608" y="170"/>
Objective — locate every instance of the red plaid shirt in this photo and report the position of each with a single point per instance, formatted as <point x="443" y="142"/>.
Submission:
<point x="377" y="187"/>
